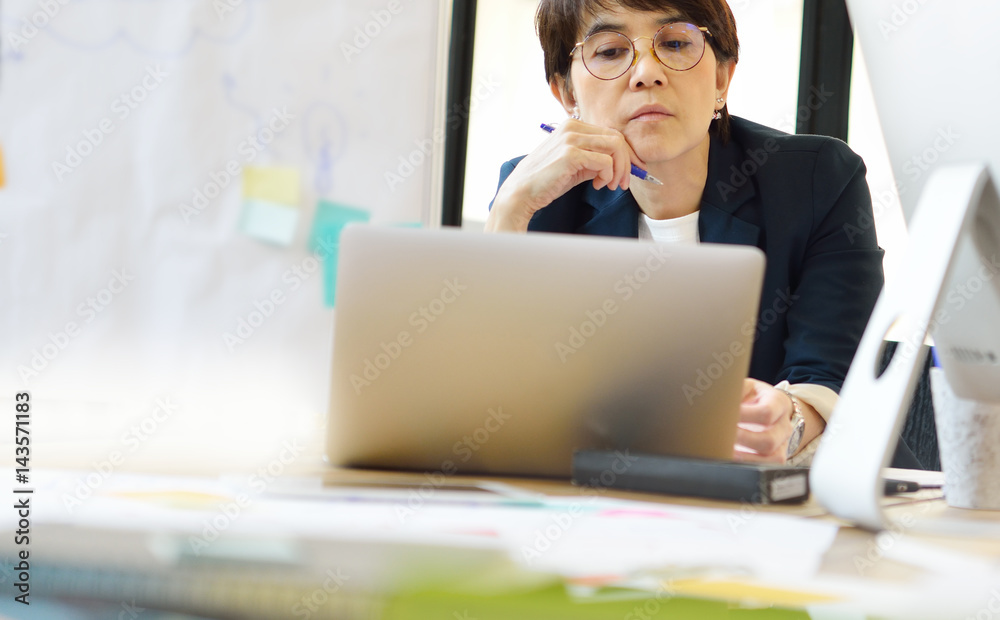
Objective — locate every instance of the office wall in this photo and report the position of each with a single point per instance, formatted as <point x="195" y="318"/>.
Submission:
<point x="118" y="283"/>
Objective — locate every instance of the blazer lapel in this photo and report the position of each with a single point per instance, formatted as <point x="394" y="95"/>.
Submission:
<point x="717" y="226"/>
<point x="726" y="190"/>
<point x="616" y="213"/>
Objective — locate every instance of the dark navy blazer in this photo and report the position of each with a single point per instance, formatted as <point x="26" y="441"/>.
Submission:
<point x="804" y="201"/>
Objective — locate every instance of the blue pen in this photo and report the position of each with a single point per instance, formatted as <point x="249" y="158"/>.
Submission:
<point x="636" y="170"/>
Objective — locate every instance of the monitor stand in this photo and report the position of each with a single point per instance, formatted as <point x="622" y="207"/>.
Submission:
<point x="953" y="239"/>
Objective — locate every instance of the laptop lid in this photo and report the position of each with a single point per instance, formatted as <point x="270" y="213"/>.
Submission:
<point x="503" y="354"/>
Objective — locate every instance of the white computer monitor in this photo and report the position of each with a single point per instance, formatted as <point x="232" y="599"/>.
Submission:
<point x="934" y="69"/>
<point x="935" y="73"/>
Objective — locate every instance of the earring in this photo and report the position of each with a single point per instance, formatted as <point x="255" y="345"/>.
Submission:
<point x="576" y="113"/>
<point x="718" y="113"/>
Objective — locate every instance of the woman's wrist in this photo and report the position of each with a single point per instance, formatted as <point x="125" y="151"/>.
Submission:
<point x="815" y="424"/>
<point x="507" y="215"/>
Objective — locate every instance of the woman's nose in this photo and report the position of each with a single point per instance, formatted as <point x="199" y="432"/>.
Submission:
<point x="646" y="67"/>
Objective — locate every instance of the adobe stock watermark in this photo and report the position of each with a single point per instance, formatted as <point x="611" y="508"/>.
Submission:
<point x="130" y="611"/>
<point x="421" y="319"/>
<point x="914" y="168"/>
<point x="755" y="160"/>
<point x="123" y="106"/>
<point x="230" y="511"/>
<point x="249" y="149"/>
<point x="865" y="222"/>
<point x="267" y="306"/>
<point x="225" y="7"/>
<point x="955" y="299"/>
<point x="309" y="604"/>
<point x="370" y="30"/>
<point x="463" y="449"/>
<point x="817" y="99"/>
<point x="706" y="377"/>
<point x="59" y="340"/>
<point x="561" y="522"/>
<point x="911" y="344"/>
<point x="34" y="23"/>
<point x="900" y="14"/>
<point x="990" y="610"/>
<point x="650" y="608"/>
<point x="880" y="544"/>
<point x="131" y="440"/>
<point x="424" y="148"/>
<point x="625" y="288"/>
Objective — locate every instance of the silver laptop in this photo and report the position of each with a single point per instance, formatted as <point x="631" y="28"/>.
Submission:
<point x="457" y="352"/>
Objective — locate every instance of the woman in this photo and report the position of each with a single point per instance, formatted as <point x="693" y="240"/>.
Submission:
<point x="645" y="83"/>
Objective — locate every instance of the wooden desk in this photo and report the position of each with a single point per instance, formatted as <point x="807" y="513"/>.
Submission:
<point x="511" y="592"/>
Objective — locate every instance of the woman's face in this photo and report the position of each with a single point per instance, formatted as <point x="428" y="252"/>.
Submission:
<point x="662" y="113"/>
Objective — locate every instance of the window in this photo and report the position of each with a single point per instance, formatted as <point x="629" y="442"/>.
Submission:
<point x="508" y="55"/>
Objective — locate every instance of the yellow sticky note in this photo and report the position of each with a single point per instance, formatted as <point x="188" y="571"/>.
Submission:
<point x="272" y="184"/>
<point x="2" y="180"/>
<point x="747" y="593"/>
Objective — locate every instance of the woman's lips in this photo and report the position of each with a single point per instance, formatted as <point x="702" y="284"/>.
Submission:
<point x="651" y="116"/>
<point x="651" y="112"/>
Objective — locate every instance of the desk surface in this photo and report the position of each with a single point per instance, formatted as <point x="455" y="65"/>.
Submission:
<point x="914" y="565"/>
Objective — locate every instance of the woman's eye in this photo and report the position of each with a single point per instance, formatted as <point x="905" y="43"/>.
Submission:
<point x="610" y="53"/>
<point x="674" y="45"/>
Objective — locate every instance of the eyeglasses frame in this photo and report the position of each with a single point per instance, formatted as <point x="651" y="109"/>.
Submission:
<point x="635" y="53"/>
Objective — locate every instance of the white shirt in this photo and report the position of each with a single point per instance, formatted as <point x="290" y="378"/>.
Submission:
<point x="682" y="229"/>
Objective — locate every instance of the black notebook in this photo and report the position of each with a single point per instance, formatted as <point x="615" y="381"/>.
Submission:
<point x="754" y="483"/>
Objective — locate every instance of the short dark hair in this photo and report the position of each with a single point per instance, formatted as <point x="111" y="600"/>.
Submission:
<point x="558" y="23"/>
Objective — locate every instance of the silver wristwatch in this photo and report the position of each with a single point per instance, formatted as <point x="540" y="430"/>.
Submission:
<point x="798" y="426"/>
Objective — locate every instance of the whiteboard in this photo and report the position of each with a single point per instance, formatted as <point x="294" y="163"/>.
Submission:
<point x="114" y="114"/>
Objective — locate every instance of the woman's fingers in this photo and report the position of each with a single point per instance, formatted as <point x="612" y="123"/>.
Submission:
<point x="763" y="404"/>
<point x="769" y="443"/>
<point x="765" y="423"/>
<point x="610" y="141"/>
<point x="583" y="137"/>
<point x="574" y="153"/>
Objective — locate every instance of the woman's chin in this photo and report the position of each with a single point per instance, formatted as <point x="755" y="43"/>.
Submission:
<point x="659" y="150"/>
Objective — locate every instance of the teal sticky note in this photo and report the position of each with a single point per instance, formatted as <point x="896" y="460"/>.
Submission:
<point x="269" y="221"/>
<point x="324" y="240"/>
<point x="329" y="221"/>
<point x="329" y="278"/>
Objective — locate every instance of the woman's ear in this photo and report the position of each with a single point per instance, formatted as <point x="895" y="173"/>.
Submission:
<point x="563" y="94"/>
<point x="723" y="77"/>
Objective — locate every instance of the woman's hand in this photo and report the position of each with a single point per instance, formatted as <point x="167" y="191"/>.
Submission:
<point x="765" y="424"/>
<point x="574" y="153"/>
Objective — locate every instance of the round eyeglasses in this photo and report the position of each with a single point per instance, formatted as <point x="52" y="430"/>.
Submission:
<point x="608" y="54"/>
